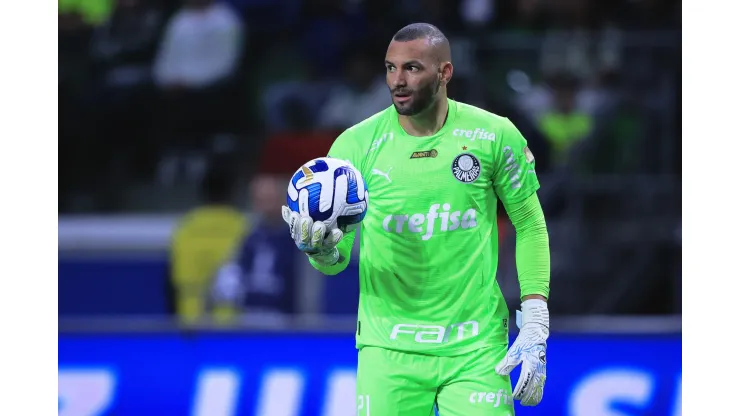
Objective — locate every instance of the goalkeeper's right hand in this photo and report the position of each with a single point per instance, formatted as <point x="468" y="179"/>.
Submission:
<point x="313" y="238"/>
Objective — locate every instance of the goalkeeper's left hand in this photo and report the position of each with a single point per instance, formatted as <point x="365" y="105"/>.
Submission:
<point x="313" y="238"/>
<point x="529" y="349"/>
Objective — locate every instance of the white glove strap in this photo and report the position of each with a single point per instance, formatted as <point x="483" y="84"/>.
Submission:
<point x="534" y="311"/>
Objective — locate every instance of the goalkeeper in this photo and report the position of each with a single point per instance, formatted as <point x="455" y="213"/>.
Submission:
<point x="432" y="326"/>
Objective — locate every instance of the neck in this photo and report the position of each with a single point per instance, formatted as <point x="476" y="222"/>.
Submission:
<point x="428" y="122"/>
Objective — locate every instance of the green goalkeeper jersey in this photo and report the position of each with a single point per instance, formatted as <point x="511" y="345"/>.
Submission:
<point x="429" y="241"/>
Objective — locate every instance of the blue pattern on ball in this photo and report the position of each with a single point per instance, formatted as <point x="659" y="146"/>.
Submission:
<point x="314" y="190"/>
<point x="319" y="166"/>
<point x="353" y="196"/>
<point x="314" y="194"/>
<point x="314" y="199"/>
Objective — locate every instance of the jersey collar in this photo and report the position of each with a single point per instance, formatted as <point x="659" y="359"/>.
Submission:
<point x="451" y="115"/>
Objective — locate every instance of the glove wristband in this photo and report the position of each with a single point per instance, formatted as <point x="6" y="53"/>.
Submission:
<point x="328" y="258"/>
<point x="534" y="311"/>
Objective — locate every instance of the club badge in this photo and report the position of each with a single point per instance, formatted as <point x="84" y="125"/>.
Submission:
<point x="466" y="168"/>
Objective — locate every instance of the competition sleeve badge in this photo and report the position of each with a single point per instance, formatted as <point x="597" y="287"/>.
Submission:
<point x="466" y="168"/>
<point x="528" y="154"/>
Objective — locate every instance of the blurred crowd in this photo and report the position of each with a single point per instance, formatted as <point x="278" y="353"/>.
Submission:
<point x="150" y="90"/>
<point x="169" y="104"/>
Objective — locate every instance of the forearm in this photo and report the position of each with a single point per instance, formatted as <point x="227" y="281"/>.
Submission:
<point x="345" y="250"/>
<point x="532" y="248"/>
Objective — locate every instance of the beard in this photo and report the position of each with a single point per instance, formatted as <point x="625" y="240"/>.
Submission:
<point x="421" y="99"/>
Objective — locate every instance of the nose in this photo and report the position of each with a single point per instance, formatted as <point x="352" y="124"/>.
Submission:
<point x="397" y="80"/>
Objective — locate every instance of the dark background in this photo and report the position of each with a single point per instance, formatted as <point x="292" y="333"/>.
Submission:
<point x="169" y="106"/>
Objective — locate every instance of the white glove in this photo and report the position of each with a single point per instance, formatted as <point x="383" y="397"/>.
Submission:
<point x="313" y="238"/>
<point x="529" y="349"/>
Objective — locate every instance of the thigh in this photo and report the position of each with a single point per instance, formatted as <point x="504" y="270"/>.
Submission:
<point x="472" y="387"/>
<point x="391" y="383"/>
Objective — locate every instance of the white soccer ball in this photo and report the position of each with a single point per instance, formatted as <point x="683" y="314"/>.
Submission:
<point x="329" y="190"/>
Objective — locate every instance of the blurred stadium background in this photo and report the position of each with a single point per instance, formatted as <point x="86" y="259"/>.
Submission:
<point x="180" y="292"/>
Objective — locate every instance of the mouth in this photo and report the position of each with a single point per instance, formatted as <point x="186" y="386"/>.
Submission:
<point x="402" y="97"/>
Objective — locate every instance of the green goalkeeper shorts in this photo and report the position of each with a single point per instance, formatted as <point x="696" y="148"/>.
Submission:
<point x="393" y="383"/>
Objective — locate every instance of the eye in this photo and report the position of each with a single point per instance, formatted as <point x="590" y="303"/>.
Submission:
<point x="390" y="68"/>
<point x="413" y="68"/>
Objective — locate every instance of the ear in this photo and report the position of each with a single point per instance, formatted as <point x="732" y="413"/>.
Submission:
<point x="445" y="72"/>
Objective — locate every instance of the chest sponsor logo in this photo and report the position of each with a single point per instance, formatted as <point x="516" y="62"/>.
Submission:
<point x="477" y="134"/>
<point x="427" y="223"/>
<point x="425" y="153"/>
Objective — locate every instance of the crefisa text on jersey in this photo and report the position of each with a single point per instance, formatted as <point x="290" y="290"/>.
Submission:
<point x="477" y="134"/>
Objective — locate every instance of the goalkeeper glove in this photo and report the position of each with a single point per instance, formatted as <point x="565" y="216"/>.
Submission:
<point x="312" y="237"/>
<point x="529" y="349"/>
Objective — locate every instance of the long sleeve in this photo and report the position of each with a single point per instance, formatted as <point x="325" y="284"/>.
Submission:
<point x="532" y="246"/>
<point x="350" y="147"/>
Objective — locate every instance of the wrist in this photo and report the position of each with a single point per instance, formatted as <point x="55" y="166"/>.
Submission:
<point x="534" y="303"/>
<point x="325" y="258"/>
<point x="534" y="311"/>
<point x="528" y="297"/>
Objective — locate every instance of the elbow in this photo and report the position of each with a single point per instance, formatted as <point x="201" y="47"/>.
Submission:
<point x="337" y="268"/>
<point x="537" y="230"/>
<point x="333" y="272"/>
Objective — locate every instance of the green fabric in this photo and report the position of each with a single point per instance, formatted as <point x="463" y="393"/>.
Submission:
<point x="93" y="12"/>
<point x="429" y="241"/>
<point x="345" y="249"/>
<point x="400" y="383"/>
<point x="532" y="246"/>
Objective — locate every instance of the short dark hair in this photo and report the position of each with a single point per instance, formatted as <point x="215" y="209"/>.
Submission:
<point x="416" y="31"/>
<point x="434" y="37"/>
